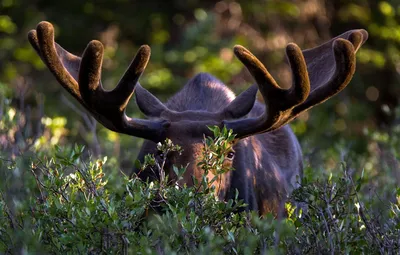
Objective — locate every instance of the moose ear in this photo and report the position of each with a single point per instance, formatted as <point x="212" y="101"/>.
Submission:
<point x="148" y="103"/>
<point x="242" y="104"/>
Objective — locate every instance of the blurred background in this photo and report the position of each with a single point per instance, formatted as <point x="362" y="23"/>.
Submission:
<point x="359" y="126"/>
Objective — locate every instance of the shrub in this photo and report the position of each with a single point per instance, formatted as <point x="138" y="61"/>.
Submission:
<point x="58" y="201"/>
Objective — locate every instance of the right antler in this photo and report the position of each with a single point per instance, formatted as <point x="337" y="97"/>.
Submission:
<point x="317" y="75"/>
<point x="81" y="78"/>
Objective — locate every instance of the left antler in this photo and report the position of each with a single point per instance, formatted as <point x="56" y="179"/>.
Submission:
<point x="81" y="77"/>
<point x="317" y="74"/>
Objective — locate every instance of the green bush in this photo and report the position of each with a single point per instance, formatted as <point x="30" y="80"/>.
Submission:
<point x="55" y="199"/>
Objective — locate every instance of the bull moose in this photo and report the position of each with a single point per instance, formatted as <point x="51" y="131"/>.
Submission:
<point x="267" y="157"/>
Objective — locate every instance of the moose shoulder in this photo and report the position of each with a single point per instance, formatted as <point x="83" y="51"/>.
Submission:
<point x="266" y="157"/>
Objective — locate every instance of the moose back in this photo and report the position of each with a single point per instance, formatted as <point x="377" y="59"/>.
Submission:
<point x="266" y="156"/>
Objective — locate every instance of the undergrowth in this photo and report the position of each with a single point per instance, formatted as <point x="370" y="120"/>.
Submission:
<point x="53" y="199"/>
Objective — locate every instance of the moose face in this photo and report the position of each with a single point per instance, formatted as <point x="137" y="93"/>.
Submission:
<point x="189" y="134"/>
<point x="188" y="126"/>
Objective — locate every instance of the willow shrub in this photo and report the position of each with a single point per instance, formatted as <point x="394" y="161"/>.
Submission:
<point x="58" y="201"/>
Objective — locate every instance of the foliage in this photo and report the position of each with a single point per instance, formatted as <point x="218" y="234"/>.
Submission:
<point x="88" y="211"/>
<point x="338" y="218"/>
<point x="58" y="201"/>
<point x="215" y="150"/>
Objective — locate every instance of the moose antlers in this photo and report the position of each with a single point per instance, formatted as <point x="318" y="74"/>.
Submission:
<point x="317" y="75"/>
<point x="81" y="78"/>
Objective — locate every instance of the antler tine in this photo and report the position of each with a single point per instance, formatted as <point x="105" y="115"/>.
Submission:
<point x="81" y="77"/>
<point x="256" y="68"/>
<point x="90" y="72"/>
<point x="278" y="100"/>
<point x="45" y="41"/>
<point x="357" y="38"/>
<point x="34" y="41"/>
<point x="125" y="88"/>
<point x="300" y="82"/>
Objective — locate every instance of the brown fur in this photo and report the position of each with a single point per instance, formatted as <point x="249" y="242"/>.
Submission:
<point x="266" y="165"/>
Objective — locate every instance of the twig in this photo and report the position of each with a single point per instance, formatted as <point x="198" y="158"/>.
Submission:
<point x="8" y="213"/>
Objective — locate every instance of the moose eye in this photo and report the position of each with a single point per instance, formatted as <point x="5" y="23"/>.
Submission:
<point x="230" y="155"/>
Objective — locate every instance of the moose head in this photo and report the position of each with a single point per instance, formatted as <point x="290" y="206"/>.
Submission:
<point x="266" y="156"/>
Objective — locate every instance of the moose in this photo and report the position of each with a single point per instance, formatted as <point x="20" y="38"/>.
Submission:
<point x="266" y="155"/>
